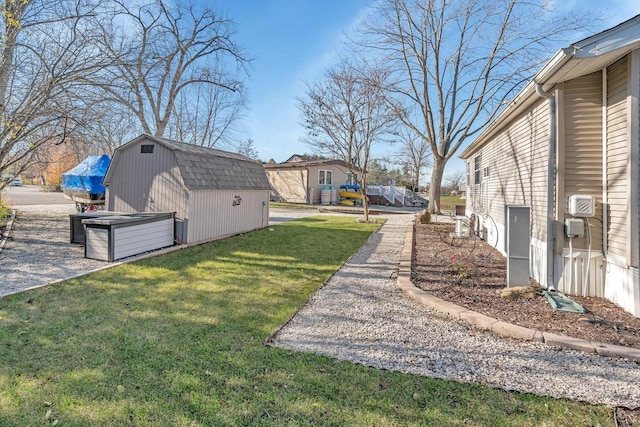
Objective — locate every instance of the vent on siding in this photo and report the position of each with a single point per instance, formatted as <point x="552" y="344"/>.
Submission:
<point x="146" y="148"/>
<point x="581" y="206"/>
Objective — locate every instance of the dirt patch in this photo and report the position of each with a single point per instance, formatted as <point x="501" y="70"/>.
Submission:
<point x="471" y="273"/>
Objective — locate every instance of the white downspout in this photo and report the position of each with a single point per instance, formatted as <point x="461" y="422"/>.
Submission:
<point x="605" y="183"/>
<point x="551" y="178"/>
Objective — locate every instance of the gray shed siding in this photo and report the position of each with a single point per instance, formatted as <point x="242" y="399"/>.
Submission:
<point x="226" y="212"/>
<point x="146" y="182"/>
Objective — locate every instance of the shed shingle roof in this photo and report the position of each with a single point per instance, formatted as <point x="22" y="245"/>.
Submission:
<point x="204" y="168"/>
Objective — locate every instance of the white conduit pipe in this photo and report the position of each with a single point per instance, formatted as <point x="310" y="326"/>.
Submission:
<point x="585" y="284"/>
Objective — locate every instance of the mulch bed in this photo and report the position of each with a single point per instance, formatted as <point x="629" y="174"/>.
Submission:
<point x="471" y="273"/>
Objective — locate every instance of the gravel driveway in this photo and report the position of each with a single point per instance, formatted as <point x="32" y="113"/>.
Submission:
<point x="39" y="253"/>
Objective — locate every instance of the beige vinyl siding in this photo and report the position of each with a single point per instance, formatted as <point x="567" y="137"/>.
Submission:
<point x="617" y="157"/>
<point x="517" y="159"/>
<point x="338" y="178"/>
<point x="290" y="184"/>
<point x="582" y="169"/>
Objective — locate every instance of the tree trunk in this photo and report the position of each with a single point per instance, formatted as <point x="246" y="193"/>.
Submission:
<point x="436" y="184"/>
<point x="365" y="200"/>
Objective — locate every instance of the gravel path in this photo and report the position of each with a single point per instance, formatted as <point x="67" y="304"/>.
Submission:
<point x="361" y="316"/>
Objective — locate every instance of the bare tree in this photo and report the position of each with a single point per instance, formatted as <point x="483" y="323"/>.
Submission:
<point x="455" y="180"/>
<point x="45" y="56"/>
<point x="414" y="155"/>
<point x="248" y="148"/>
<point x="165" y="52"/>
<point x="456" y="62"/>
<point x="206" y="115"/>
<point x="111" y="125"/>
<point x="345" y="114"/>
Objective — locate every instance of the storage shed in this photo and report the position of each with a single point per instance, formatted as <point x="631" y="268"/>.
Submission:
<point x="213" y="193"/>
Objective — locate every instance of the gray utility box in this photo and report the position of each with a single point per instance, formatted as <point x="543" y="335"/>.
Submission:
<point x="518" y="238"/>
<point x="113" y="237"/>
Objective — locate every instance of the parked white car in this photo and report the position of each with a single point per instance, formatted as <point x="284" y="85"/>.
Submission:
<point x="17" y="182"/>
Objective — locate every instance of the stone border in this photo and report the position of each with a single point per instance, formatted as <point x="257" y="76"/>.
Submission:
<point x="494" y="325"/>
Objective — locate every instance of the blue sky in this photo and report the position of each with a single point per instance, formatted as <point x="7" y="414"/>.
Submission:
<point x="295" y="41"/>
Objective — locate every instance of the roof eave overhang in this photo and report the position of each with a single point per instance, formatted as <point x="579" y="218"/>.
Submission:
<point x="582" y="58"/>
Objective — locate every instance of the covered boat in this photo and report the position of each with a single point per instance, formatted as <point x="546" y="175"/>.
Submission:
<point x="83" y="183"/>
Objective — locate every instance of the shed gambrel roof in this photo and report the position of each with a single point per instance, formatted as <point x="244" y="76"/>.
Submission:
<point x="204" y="168"/>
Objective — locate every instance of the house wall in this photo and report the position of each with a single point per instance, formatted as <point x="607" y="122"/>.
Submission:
<point x="579" y="268"/>
<point x="617" y="157"/>
<point x="581" y="161"/>
<point x="517" y="164"/>
<point x="146" y="182"/>
<point x="598" y="144"/>
<point x="622" y="277"/>
<point x="290" y="184"/>
<point x="218" y="213"/>
<point x="339" y="177"/>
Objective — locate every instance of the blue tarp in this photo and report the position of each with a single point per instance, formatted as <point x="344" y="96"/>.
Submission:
<point x="87" y="176"/>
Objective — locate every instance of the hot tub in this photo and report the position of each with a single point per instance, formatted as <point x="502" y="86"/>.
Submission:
<point x="113" y="237"/>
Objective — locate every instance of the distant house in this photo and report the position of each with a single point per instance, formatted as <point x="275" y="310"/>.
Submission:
<point x="301" y="179"/>
<point x="213" y="193"/>
<point x="572" y="131"/>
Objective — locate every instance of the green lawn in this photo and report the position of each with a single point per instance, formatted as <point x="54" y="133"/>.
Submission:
<point x="177" y="340"/>
<point x="449" y="202"/>
<point x="286" y="205"/>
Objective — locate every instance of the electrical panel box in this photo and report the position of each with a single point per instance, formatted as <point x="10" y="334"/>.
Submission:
<point x="574" y="227"/>
<point x="518" y="222"/>
<point x="582" y="206"/>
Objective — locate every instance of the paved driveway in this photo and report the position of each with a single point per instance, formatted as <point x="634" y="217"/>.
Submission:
<point x="33" y="195"/>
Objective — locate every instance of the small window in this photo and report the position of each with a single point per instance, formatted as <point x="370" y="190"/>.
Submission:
<point x="324" y="177"/>
<point x="477" y="171"/>
<point x="146" y="148"/>
<point x="485" y="172"/>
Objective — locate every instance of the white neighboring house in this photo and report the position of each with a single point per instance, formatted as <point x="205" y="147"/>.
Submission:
<point x="572" y="131"/>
